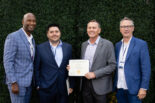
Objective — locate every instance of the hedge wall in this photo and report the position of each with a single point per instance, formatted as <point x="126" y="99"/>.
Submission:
<point x="73" y="15"/>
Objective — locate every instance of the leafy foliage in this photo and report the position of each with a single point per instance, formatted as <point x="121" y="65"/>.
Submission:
<point x="73" y="15"/>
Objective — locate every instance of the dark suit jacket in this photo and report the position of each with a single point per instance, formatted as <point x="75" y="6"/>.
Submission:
<point x="137" y="65"/>
<point x="47" y="72"/>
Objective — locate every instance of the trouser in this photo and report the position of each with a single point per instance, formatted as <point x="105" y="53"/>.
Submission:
<point x="123" y="96"/>
<point x="89" y="95"/>
<point x="52" y="95"/>
<point x="23" y="96"/>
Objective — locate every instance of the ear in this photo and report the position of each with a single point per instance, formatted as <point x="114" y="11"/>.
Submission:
<point x="47" y="35"/>
<point x="133" y="29"/>
<point x="22" y="21"/>
<point x="99" y="30"/>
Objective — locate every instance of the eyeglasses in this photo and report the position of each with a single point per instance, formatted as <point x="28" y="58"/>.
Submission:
<point x="128" y="26"/>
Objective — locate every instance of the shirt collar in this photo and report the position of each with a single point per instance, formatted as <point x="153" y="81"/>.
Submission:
<point x="128" y="41"/>
<point x="97" y="40"/>
<point x="60" y="44"/>
<point x="28" y="37"/>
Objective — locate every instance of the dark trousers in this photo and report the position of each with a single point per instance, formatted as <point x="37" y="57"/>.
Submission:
<point x="52" y="95"/>
<point x="123" y="96"/>
<point x="89" y="95"/>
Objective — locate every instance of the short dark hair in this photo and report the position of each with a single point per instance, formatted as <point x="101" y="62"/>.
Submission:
<point x="94" y="20"/>
<point x="52" y="25"/>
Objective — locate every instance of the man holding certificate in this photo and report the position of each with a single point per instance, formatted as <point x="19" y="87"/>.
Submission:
<point x="99" y="53"/>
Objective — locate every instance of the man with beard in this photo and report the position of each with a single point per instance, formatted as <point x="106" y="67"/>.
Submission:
<point x="51" y="60"/>
<point x="19" y="51"/>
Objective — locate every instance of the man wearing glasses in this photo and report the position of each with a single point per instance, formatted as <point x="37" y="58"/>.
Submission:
<point x="133" y="65"/>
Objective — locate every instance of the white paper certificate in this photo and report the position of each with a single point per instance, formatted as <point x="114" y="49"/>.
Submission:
<point x="78" y="67"/>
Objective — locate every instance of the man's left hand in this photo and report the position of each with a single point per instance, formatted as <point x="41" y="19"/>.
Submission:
<point x="141" y="93"/>
<point x="90" y="75"/>
<point x="70" y="90"/>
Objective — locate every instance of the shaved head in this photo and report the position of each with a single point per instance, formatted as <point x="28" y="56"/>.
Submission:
<point x="28" y="14"/>
<point x="29" y="22"/>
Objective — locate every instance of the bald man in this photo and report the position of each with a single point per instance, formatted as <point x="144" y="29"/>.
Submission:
<point x="19" y="51"/>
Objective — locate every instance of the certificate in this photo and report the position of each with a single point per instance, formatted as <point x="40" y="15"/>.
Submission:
<point x="78" y="67"/>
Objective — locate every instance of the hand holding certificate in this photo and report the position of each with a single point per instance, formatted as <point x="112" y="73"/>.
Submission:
<point x="78" y="67"/>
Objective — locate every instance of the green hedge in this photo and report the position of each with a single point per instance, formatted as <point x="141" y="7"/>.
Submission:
<point x="73" y="15"/>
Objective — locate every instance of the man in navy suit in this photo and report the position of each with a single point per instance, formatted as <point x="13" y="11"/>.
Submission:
<point x="51" y="60"/>
<point x="19" y="51"/>
<point x="133" y="65"/>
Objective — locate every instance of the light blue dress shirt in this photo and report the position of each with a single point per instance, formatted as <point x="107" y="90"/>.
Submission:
<point x="90" y="51"/>
<point x="57" y="52"/>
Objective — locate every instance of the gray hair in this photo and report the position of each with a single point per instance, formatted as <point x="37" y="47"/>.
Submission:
<point x="126" y="18"/>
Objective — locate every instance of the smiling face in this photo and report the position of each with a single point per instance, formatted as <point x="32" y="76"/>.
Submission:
<point x="126" y="28"/>
<point x="54" y="34"/>
<point x="29" y="23"/>
<point x="93" y="30"/>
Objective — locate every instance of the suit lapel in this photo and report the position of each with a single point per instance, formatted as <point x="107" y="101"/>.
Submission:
<point x="64" y="51"/>
<point x="33" y="42"/>
<point x="131" y="46"/>
<point x="23" y="36"/>
<point x="98" y="48"/>
<point x="118" y="50"/>
<point x="84" y="49"/>
<point x="50" y="53"/>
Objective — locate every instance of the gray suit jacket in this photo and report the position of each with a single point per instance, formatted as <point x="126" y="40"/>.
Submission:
<point x="103" y="65"/>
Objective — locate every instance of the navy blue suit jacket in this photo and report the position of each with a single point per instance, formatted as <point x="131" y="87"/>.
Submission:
<point x="137" y="65"/>
<point x="47" y="72"/>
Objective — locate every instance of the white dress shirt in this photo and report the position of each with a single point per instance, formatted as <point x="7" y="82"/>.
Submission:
<point x="122" y="57"/>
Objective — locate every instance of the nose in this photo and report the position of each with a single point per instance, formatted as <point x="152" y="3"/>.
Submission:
<point x="91" y="29"/>
<point x="32" y="22"/>
<point x="54" y="33"/>
<point x="126" y="28"/>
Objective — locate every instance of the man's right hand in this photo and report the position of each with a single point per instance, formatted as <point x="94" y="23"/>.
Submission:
<point x="68" y="67"/>
<point x="15" y="88"/>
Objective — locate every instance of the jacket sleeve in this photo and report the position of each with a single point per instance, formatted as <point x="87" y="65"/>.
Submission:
<point x="37" y="67"/>
<point x="10" y="51"/>
<point x="145" y="66"/>
<point x="71" y="79"/>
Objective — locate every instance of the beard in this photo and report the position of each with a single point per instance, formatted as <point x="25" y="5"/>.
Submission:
<point x="28" y="29"/>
